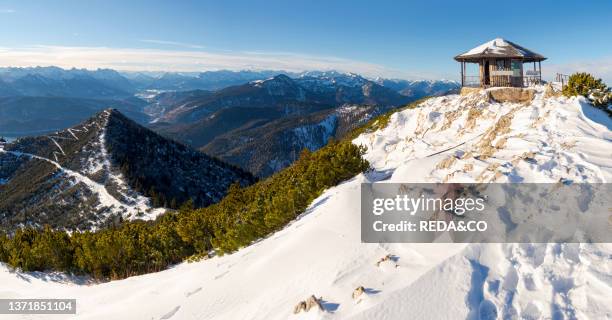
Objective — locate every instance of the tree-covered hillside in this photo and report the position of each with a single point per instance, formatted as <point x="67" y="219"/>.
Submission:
<point x="137" y="247"/>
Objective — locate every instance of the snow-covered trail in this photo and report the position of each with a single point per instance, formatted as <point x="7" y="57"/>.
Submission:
<point x="105" y="198"/>
<point x="321" y="252"/>
<point x="130" y="204"/>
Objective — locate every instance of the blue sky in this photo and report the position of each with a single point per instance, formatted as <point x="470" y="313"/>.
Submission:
<point x="405" y="39"/>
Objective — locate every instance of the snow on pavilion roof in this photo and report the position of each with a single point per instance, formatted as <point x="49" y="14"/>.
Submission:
<point x="500" y="48"/>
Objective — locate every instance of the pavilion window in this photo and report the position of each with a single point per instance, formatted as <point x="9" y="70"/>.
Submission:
<point x="500" y="64"/>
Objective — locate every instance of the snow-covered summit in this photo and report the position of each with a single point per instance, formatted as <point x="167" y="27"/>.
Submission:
<point x="546" y="140"/>
<point x="451" y="138"/>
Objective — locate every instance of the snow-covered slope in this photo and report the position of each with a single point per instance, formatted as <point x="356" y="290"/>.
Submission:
<point x="545" y="141"/>
<point x="320" y="253"/>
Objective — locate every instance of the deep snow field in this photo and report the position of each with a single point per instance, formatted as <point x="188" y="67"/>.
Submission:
<point x="549" y="140"/>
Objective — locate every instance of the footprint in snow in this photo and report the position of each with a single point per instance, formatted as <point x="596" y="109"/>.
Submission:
<point x="170" y="314"/>
<point x="219" y="276"/>
<point x="189" y="294"/>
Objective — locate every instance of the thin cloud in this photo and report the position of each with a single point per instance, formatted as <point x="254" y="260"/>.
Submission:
<point x="129" y="59"/>
<point x="600" y="68"/>
<point x="7" y="11"/>
<point x="173" y="43"/>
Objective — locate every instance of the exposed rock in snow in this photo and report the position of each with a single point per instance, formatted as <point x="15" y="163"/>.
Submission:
<point x="358" y="292"/>
<point x="311" y="303"/>
<point x="383" y="259"/>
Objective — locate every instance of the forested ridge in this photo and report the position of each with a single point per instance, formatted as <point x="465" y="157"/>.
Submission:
<point x="120" y="157"/>
<point x="137" y="247"/>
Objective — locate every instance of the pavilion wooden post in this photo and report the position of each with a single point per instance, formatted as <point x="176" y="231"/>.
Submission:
<point x="461" y="64"/>
<point x="540" y="70"/>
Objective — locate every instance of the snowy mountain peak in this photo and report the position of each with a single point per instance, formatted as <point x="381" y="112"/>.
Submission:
<point x="107" y="168"/>
<point x="283" y="78"/>
<point x="278" y="80"/>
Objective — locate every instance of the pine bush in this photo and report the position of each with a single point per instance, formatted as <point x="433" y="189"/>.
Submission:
<point x="584" y="84"/>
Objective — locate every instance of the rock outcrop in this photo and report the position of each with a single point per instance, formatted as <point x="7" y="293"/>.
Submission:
<point x="358" y="292"/>
<point x="522" y="95"/>
<point x="383" y="259"/>
<point x="308" y="304"/>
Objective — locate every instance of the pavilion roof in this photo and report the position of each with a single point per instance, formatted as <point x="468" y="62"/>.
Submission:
<point x="500" y="48"/>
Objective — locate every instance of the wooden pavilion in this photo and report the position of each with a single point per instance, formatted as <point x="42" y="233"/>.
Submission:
<point x="501" y="64"/>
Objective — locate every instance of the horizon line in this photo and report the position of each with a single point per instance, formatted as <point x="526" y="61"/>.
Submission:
<point x="278" y="71"/>
<point x="173" y="60"/>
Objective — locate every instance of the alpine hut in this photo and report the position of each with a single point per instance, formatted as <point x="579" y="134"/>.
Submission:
<point x="501" y="63"/>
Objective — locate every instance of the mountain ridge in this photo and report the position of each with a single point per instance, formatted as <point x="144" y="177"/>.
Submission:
<point x="266" y="148"/>
<point x="108" y="167"/>
<point x="250" y="125"/>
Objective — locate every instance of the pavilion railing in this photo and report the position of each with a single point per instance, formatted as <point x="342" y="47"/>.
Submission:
<point x="507" y="77"/>
<point x="532" y="77"/>
<point x="504" y="79"/>
<point x="562" y="78"/>
<point x="500" y="77"/>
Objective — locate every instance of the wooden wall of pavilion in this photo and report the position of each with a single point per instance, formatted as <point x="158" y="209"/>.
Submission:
<point x="502" y="75"/>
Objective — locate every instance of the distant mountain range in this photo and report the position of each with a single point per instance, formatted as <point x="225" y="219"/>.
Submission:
<point x="245" y="109"/>
<point x="419" y="88"/>
<point x="58" y="82"/>
<point x="112" y="84"/>
<point x="209" y="80"/>
<point x="102" y="171"/>
<point x="288" y="96"/>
